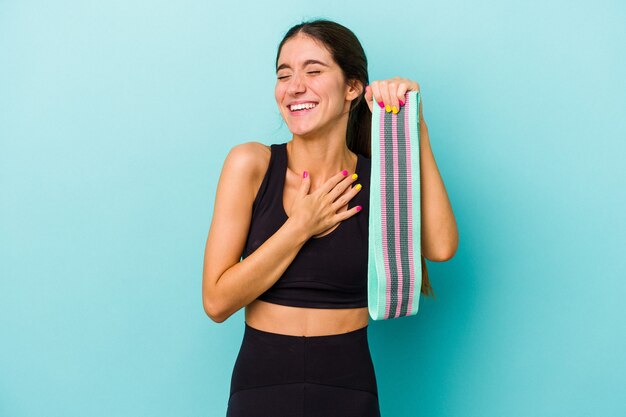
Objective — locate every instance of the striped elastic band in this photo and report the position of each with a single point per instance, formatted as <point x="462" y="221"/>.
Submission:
<point x="394" y="263"/>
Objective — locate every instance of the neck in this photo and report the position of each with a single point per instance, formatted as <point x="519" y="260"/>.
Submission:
<point x="322" y="158"/>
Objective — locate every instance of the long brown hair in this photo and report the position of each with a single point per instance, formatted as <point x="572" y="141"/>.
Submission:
<point x="348" y="53"/>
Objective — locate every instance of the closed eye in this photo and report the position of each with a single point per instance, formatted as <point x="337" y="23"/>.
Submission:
<point x="282" y="77"/>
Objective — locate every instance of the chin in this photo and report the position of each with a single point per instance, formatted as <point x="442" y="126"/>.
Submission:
<point x="301" y="130"/>
<point x="301" y="133"/>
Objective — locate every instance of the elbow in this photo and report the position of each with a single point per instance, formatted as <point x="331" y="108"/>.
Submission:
<point x="442" y="256"/>
<point x="212" y="310"/>
<point x="215" y="315"/>
<point x="211" y="299"/>
<point x="445" y="252"/>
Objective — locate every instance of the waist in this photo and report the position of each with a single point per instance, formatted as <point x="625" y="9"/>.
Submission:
<point x="302" y="321"/>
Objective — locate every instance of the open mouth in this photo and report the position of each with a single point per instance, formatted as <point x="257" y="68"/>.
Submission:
<point x="302" y="107"/>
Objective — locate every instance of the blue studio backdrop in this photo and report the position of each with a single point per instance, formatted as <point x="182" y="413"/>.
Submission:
<point x="116" y="117"/>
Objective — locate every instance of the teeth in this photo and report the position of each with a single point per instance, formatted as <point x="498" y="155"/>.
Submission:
<point x="302" y="106"/>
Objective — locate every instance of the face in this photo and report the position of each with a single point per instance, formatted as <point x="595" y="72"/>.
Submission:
<point x="311" y="91"/>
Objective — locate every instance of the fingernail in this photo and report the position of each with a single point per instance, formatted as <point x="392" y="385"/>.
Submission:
<point x="305" y="174"/>
<point x="358" y="208"/>
<point x="388" y="108"/>
<point x="381" y="104"/>
<point x="395" y="110"/>
<point x="401" y="103"/>
<point x="355" y="176"/>
<point x="358" y="187"/>
<point x="344" y="172"/>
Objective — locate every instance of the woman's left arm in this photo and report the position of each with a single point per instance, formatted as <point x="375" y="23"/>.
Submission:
<point x="440" y="237"/>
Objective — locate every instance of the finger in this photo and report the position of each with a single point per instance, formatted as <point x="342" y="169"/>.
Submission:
<point x="305" y="185"/>
<point x="384" y="95"/>
<point x="339" y="201"/>
<point x="401" y="93"/>
<point x="392" y="88"/>
<point x="343" y="187"/>
<point x="377" y="94"/>
<point x="333" y="181"/>
<point x="339" y="217"/>
<point x="347" y="196"/>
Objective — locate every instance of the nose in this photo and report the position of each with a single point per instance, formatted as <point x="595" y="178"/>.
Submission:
<point x="296" y="84"/>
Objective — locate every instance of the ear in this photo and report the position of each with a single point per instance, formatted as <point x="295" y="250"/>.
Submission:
<point x="354" y="89"/>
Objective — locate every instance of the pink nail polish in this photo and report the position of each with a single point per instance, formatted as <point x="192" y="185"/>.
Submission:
<point x="344" y="172"/>
<point x="305" y="174"/>
<point x="401" y="103"/>
<point x="358" y="208"/>
<point x="381" y="104"/>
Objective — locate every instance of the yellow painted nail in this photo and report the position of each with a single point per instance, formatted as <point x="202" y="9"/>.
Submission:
<point x="358" y="187"/>
<point x="395" y="110"/>
<point x="355" y="176"/>
<point x="387" y="108"/>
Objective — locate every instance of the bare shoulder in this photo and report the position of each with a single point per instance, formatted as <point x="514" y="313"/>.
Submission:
<point x="250" y="160"/>
<point x="253" y="155"/>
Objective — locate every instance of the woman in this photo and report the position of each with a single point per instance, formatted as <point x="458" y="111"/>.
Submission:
<point x="296" y="214"/>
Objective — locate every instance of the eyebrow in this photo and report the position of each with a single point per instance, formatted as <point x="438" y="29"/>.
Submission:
<point x="307" y="62"/>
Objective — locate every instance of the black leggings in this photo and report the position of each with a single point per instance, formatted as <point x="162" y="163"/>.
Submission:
<point x="277" y="375"/>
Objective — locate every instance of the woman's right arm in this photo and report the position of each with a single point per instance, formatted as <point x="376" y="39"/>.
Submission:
<point x="229" y="284"/>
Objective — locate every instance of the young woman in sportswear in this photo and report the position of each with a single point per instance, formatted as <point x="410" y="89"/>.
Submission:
<point x="297" y="213"/>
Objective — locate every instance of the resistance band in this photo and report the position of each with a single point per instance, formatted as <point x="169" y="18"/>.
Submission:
<point x="394" y="262"/>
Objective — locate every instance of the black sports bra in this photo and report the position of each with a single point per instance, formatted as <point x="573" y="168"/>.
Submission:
<point x="329" y="271"/>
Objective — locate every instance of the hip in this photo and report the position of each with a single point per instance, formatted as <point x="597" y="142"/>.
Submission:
<point x="339" y="360"/>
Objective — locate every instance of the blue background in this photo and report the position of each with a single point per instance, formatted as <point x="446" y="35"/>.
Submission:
<point x="116" y="117"/>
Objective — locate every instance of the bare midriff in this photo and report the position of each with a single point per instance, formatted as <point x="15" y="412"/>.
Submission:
<point x="301" y="321"/>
